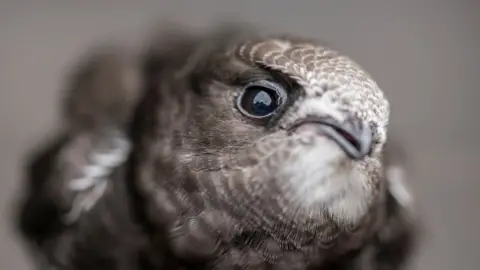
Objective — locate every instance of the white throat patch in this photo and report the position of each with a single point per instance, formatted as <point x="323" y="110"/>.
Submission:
<point x="323" y="177"/>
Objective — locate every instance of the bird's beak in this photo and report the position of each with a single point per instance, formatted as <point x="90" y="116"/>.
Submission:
<point x="354" y="136"/>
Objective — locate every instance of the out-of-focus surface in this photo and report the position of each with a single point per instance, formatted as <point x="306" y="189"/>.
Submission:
<point x="425" y="54"/>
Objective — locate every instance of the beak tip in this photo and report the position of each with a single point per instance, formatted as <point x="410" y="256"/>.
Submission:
<point x="362" y="134"/>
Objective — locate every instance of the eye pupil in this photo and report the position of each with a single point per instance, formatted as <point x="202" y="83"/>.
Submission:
<point x="263" y="103"/>
<point x="260" y="100"/>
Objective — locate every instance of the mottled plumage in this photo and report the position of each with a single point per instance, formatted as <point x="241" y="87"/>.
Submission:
<point x="170" y="164"/>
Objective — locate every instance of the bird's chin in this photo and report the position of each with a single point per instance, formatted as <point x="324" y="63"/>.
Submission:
<point x="321" y="177"/>
<point x="316" y="170"/>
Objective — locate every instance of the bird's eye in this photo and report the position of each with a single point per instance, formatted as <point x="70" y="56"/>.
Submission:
<point x="261" y="99"/>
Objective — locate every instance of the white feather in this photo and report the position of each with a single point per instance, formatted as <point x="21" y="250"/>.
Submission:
<point x="322" y="177"/>
<point x="94" y="181"/>
<point x="398" y="187"/>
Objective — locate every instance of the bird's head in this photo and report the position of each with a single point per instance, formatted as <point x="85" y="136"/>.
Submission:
<point x="276" y="128"/>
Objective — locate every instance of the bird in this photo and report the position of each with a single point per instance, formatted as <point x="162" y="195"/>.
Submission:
<point x="224" y="149"/>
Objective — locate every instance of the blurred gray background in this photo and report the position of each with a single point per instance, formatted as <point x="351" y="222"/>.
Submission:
<point x="424" y="53"/>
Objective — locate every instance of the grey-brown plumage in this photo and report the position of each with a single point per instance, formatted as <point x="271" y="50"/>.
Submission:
<point x="228" y="150"/>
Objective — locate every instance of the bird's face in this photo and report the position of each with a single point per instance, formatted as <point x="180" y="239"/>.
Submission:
<point x="286" y="128"/>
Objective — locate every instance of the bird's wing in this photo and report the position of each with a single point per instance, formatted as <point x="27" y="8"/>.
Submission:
<point x="70" y="176"/>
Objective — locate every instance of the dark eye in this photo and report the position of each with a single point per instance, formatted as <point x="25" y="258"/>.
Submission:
<point x="261" y="99"/>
